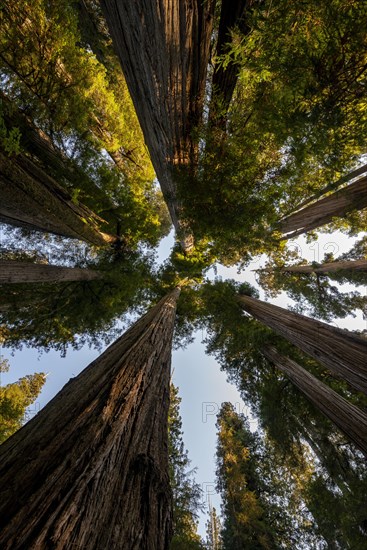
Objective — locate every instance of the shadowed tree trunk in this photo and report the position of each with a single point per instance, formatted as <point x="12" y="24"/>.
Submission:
<point x="12" y="271"/>
<point x="232" y="15"/>
<point x="90" y="471"/>
<point x="341" y="351"/>
<point x="322" y="212"/>
<point x="32" y="199"/>
<point x="163" y="47"/>
<point x="347" y="417"/>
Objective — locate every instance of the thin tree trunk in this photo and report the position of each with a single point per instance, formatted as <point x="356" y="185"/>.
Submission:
<point x="12" y="271"/>
<point x="347" y="417"/>
<point x="32" y="199"/>
<point x="90" y="471"/>
<point x="163" y="47"/>
<point x="341" y="351"/>
<point x="322" y="212"/>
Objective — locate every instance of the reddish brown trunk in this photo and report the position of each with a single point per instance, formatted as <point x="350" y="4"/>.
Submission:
<point x="341" y="351"/>
<point x="347" y="417"/>
<point x="322" y="212"/>
<point x="354" y="265"/>
<point x="32" y="199"/>
<point x="91" y="469"/>
<point x="12" y="271"/>
<point x="163" y="47"/>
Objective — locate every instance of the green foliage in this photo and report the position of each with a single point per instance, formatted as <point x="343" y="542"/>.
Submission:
<point x="246" y="519"/>
<point x="86" y="112"/>
<point x="213" y="531"/>
<point x="297" y="121"/>
<point x="55" y="316"/>
<point x="186" y="492"/>
<point x="314" y="293"/>
<point x="14" y="400"/>
<point x="9" y="138"/>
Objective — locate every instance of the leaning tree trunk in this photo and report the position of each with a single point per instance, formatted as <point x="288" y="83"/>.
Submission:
<point x="13" y="271"/>
<point x="164" y="48"/>
<point x="338" y="204"/>
<point x="91" y="469"/>
<point x="329" y="267"/>
<point x="334" y="185"/>
<point x="347" y="417"/>
<point x="341" y="351"/>
<point x="32" y="199"/>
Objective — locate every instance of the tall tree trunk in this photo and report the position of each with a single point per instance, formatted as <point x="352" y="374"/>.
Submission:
<point x="334" y="185"/>
<point x="12" y="271"/>
<point x="232" y="16"/>
<point x="32" y="199"/>
<point x="347" y="417"/>
<point x="91" y="469"/>
<point x="338" y="204"/>
<point x="163" y="47"/>
<point x="341" y="351"/>
<point x="329" y="267"/>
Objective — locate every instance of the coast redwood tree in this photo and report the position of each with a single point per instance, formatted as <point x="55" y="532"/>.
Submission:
<point x="325" y="268"/>
<point x="340" y="351"/>
<point x="91" y="469"/>
<point x="351" y="420"/>
<point x="164" y="49"/>
<point x="32" y="199"/>
<point x="322" y="212"/>
<point x="12" y="271"/>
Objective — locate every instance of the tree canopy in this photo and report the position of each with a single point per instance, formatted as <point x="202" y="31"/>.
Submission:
<point x="239" y="126"/>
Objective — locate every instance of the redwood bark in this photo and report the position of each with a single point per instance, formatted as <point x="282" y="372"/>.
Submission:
<point x="91" y="469"/>
<point x="341" y="351"/>
<point x="163" y="47"/>
<point x="31" y="198"/>
<point x="322" y="212"/>
<point x="351" y="420"/>
<point x="12" y="271"/>
<point x="330" y="267"/>
<point x="334" y="185"/>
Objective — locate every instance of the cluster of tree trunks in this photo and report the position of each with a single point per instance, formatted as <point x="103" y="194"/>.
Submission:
<point x="351" y="420"/>
<point x="12" y="271"/>
<point x="322" y="212"/>
<point x="32" y="199"/>
<point x="340" y="351"/>
<point x="91" y="469"/>
<point x="164" y="50"/>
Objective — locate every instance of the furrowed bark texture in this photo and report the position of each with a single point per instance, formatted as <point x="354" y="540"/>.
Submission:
<point x="334" y="185"/>
<point x="341" y="351"/>
<point x="350" y="419"/>
<point x="338" y="204"/>
<point x="163" y="47"/>
<point x="90" y="471"/>
<point x="12" y="271"/>
<point x="32" y="199"/>
<point x="353" y="265"/>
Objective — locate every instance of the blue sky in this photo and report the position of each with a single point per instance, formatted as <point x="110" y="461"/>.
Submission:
<point x="202" y="386"/>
